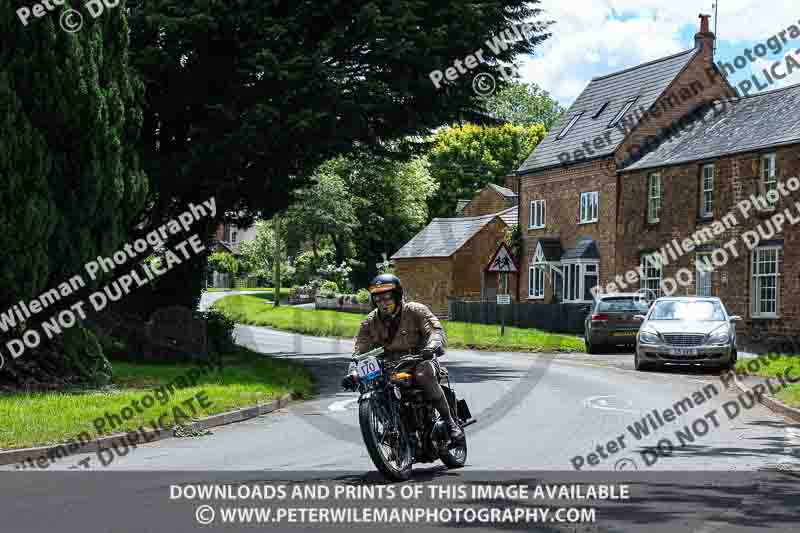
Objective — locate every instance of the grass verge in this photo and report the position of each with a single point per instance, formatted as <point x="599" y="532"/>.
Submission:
<point x="247" y="378"/>
<point x="785" y="366"/>
<point x="266" y="290"/>
<point x="249" y="309"/>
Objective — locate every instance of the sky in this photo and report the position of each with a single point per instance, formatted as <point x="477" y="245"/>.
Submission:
<point x="597" y="37"/>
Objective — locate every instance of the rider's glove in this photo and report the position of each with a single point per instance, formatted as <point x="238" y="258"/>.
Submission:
<point x="427" y="353"/>
<point x="349" y="382"/>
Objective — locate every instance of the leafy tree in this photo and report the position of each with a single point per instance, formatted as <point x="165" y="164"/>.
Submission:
<point x="323" y="209"/>
<point x="524" y="104"/>
<point x="390" y="199"/>
<point x="70" y="180"/>
<point x="246" y="99"/>
<point x="224" y="263"/>
<point x="465" y="159"/>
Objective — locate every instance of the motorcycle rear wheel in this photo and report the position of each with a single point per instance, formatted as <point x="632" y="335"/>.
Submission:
<point x="388" y="446"/>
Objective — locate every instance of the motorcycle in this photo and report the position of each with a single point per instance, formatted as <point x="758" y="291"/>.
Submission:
<point x="398" y="425"/>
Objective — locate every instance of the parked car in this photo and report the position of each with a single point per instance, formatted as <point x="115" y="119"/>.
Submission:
<point x="686" y="330"/>
<point x="611" y="320"/>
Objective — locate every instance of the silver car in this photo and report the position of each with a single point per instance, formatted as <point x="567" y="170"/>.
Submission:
<point x="686" y="330"/>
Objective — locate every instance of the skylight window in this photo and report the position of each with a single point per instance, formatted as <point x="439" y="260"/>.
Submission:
<point x="622" y="112"/>
<point x="600" y="111"/>
<point x="569" y="126"/>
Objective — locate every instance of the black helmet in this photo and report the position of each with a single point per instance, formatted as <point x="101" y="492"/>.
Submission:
<point x="385" y="283"/>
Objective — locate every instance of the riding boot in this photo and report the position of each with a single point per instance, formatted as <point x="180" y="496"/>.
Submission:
<point x="442" y="407"/>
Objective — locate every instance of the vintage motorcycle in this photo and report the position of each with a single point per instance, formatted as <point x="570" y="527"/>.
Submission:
<point x="399" y="426"/>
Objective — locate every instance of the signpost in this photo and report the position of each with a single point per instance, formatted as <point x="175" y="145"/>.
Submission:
<point x="503" y="299"/>
<point x="504" y="264"/>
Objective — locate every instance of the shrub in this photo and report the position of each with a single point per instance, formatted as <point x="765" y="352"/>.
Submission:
<point x="220" y="332"/>
<point x="362" y="296"/>
<point x="329" y="289"/>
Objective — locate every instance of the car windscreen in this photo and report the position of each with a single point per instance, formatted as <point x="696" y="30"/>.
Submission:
<point x="683" y="310"/>
<point x="622" y="305"/>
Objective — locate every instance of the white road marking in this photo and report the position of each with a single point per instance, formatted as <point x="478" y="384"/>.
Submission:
<point x="342" y="405"/>
<point x="601" y="402"/>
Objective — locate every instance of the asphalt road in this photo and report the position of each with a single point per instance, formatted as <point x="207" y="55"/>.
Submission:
<point x="535" y="412"/>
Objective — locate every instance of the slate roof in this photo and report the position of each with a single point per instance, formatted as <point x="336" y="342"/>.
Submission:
<point x="510" y="216"/>
<point x="647" y="82"/>
<point x="585" y="248"/>
<point x="551" y="248"/>
<point x="732" y="126"/>
<point x="443" y="237"/>
<point x="508" y="193"/>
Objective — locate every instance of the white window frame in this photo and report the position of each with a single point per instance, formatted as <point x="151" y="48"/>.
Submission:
<point x="590" y="207"/>
<point x="704" y="272"/>
<point x="707" y="191"/>
<point x="654" y="198"/>
<point x="652" y="262"/>
<point x="622" y="112"/>
<point x="536" y="272"/>
<point x="537" y="215"/>
<point x="569" y="126"/>
<point x="769" y="175"/>
<point x="574" y="272"/>
<point x="755" y="281"/>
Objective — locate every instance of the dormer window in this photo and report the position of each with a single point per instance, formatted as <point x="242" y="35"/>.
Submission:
<point x="622" y="112"/>
<point x="600" y="111"/>
<point x="569" y="126"/>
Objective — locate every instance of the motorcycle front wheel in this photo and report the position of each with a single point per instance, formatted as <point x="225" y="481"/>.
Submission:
<point x="387" y="443"/>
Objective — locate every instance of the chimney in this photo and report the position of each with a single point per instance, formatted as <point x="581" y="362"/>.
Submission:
<point x="704" y="39"/>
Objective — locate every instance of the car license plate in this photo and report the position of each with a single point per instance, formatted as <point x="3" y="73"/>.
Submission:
<point x="683" y="351"/>
<point x="623" y="333"/>
<point x="369" y="369"/>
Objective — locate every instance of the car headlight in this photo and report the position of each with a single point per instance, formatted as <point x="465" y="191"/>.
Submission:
<point x="649" y="337"/>
<point x="719" y="336"/>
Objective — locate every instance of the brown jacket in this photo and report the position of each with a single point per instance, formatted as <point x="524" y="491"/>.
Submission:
<point x="418" y="328"/>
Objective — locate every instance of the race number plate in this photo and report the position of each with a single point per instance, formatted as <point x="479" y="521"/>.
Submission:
<point x="369" y="369"/>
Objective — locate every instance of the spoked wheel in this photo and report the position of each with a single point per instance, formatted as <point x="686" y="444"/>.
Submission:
<point x="387" y="443"/>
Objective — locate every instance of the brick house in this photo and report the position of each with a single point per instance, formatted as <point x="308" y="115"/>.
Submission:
<point x="448" y="257"/>
<point x="689" y="189"/>
<point x="569" y="186"/>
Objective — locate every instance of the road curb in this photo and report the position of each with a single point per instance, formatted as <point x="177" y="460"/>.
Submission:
<point x="142" y="436"/>
<point x="769" y="402"/>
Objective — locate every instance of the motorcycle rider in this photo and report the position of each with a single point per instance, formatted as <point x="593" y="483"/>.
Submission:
<point x="402" y="327"/>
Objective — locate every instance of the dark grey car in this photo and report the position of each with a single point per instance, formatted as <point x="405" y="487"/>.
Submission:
<point x="611" y="320"/>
